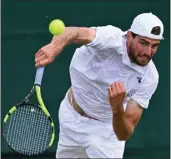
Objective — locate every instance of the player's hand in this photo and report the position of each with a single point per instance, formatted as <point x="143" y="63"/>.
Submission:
<point x="46" y="55"/>
<point x="116" y="95"/>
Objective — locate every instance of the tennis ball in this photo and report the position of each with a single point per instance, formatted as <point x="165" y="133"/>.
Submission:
<point x="56" y="27"/>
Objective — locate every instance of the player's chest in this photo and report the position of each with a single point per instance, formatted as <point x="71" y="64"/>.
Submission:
<point x="111" y="73"/>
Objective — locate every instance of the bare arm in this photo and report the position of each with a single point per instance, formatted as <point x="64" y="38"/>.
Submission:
<point x="79" y="35"/>
<point x="124" y="123"/>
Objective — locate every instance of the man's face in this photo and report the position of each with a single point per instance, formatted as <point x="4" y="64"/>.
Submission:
<point x="141" y="49"/>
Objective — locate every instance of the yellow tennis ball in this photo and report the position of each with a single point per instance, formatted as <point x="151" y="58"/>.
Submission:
<point x="56" y="27"/>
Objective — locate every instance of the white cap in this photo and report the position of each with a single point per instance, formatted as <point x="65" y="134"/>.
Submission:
<point x="144" y="23"/>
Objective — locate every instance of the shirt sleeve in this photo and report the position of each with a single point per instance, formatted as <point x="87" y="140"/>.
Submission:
<point x="144" y="92"/>
<point x="106" y="37"/>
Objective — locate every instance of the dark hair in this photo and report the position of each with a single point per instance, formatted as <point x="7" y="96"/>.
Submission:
<point x="133" y="34"/>
<point x="155" y="30"/>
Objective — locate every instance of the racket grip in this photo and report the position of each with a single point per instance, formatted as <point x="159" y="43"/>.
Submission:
<point x="39" y="76"/>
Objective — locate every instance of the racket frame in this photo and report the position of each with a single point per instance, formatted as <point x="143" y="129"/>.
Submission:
<point x="35" y="89"/>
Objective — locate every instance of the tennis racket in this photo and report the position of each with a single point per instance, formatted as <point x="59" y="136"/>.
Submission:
<point x="28" y="129"/>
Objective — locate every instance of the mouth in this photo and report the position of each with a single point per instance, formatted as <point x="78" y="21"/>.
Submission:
<point x="144" y="58"/>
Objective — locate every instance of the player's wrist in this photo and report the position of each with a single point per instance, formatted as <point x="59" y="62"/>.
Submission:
<point x="117" y="109"/>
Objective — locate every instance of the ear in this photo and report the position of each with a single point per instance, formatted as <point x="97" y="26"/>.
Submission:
<point x="129" y="35"/>
<point x="129" y="38"/>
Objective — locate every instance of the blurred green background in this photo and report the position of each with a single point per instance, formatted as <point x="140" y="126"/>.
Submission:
<point x="25" y="30"/>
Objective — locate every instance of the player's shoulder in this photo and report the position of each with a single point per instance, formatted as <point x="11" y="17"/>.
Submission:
<point x="113" y="29"/>
<point x="109" y="29"/>
<point x="107" y="37"/>
<point x="152" y="72"/>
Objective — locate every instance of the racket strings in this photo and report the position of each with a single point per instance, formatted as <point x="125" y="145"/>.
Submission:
<point x="28" y="130"/>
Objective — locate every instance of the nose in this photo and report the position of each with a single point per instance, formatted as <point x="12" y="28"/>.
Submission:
<point x="148" y="50"/>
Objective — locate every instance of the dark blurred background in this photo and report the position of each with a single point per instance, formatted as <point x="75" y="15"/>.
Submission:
<point x="25" y="30"/>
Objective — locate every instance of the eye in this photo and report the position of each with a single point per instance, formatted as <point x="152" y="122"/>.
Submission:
<point x="144" y="43"/>
<point x="155" y="46"/>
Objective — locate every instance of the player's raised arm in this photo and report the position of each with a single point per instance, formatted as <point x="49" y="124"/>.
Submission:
<point x="79" y="35"/>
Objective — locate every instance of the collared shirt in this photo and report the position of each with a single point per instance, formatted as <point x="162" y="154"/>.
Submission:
<point x="95" y="66"/>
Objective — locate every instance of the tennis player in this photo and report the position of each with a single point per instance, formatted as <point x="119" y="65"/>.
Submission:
<point x="113" y="79"/>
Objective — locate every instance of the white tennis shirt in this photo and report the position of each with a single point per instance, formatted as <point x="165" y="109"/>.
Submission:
<point x="95" y="66"/>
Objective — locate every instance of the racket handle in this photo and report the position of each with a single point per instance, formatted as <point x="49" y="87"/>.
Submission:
<point x="39" y="76"/>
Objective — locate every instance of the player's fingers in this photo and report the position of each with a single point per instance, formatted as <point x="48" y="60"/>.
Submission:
<point x="109" y="91"/>
<point x="38" y="53"/>
<point x="113" y="90"/>
<point x="42" y="63"/>
<point x="117" y="87"/>
<point x="40" y="58"/>
<point x="39" y="64"/>
<point x="110" y="94"/>
<point x="121" y="88"/>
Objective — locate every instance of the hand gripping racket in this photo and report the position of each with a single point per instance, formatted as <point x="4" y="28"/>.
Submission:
<point x="28" y="128"/>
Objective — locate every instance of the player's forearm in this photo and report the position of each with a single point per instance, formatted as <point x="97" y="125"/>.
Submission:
<point x="66" y="38"/>
<point x="122" y="126"/>
<point x="79" y="35"/>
